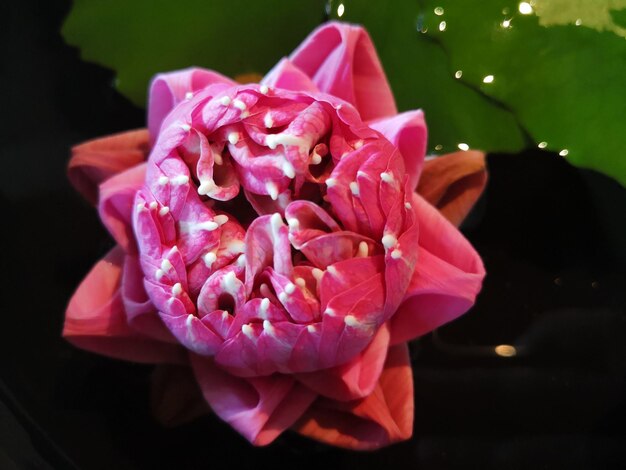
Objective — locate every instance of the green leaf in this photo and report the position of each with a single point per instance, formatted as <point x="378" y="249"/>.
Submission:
<point x="560" y="68"/>
<point x="140" y="38"/>
<point x="420" y="76"/>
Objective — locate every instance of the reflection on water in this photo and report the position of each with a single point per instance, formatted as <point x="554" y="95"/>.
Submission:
<point x="340" y="10"/>
<point x="505" y="350"/>
<point x="525" y="8"/>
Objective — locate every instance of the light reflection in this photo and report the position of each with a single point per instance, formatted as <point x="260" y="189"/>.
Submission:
<point x="463" y="146"/>
<point x="564" y="152"/>
<point x="488" y="79"/>
<point x="340" y="10"/>
<point x="442" y="26"/>
<point x="438" y="11"/>
<point x="505" y="350"/>
<point x="542" y="145"/>
<point x="458" y="74"/>
<point x="525" y="8"/>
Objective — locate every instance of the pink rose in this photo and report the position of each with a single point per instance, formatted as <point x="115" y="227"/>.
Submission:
<point x="273" y="241"/>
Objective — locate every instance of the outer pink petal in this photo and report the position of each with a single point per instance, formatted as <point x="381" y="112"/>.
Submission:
<point x="117" y="196"/>
<point x="287" y="76"/>
<point x="357" y="378"/>
<point x="407" y="131"/>
<point x="260" y="409"/>
<point x="341" y="60"/>
<point x="169" y="89"/>
<point x="94" y="161"/>
<point x="95" y="318"/>
<point x="380" y="419"/>
<point x="447" y="277"/>
<point x="453" y="183"/>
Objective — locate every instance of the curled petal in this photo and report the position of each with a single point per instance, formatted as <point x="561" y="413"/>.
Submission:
<point x="341" y="60"/>
<point x="407" y="131"/>
<point x="333" y="247"/>
<point x="95" y="319"/>
<point x="307" y="220"/>
<point x="447" y="277"/>
<point x="267" y="244"/>
<point x="400" y="261"/>
<point x="382" y="418"/>
<point x="231" y="246"/>
<point x="347" y="274"/>
<point x="350" y="321"/>
<point x="453" y="183"/>
<point x="221" y="287"/>
<point x="260" y="408"/>
<point x="169" y="89"/>
<point x="95" y="161"/>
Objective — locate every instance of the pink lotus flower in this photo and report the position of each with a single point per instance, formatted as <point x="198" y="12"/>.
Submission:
<point x="273" y="241"/>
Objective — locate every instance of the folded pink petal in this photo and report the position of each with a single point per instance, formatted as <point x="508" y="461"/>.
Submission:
<point x="94" y="161"/>
<point x="117" y="197"/>
<point x="169" y="89"/>
<point x="446" y="280"/>
<point x="407" y="131"/>
<point x="259" y="408"/>
<point x="355" y="379"/>
<point x="342" y="61"/>
<point x="289" y="77"/>
<point x="95" y="319"/>
<point x="380" y="419"/>
<point x="453" y="183"/>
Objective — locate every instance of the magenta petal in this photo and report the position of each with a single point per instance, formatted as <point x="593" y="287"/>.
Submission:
<point x="347" y="274"/>
<point x="407" y="131"/>
<point x="447" y="277"/>
<point x="169" y="89"/>
<point x="267" y="244"/>
<point x="355" y="379"/>
<point x="260" y="408"/>
<point x="117" y="196"/>
<point x="287" y="76"/>
<point x="95" y="319"/>
<point x="342" y="61"/>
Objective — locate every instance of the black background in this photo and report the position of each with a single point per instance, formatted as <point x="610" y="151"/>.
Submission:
<point x="552" y="238"/>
